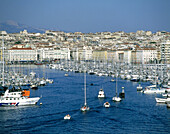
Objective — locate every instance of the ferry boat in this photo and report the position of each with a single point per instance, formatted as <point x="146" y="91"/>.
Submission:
<point x="17" y="97"/>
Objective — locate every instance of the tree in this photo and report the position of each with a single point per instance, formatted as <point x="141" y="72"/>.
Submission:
<point x="18" y="42"/>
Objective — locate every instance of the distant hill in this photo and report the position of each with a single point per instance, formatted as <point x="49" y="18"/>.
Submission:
<point x="14" y="27"/>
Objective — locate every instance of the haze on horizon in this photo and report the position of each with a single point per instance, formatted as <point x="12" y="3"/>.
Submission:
<point x="89" y="15"/>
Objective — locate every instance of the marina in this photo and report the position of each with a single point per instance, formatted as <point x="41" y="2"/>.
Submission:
<point x="89" y="67"/>
<point x="136" y="113"/>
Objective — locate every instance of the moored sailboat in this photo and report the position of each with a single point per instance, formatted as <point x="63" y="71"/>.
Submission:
<point x="116" y="98"/>
<point x="85" y="107"/>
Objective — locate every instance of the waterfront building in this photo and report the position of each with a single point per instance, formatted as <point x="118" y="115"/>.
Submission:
<point x="111" y="55"/>
<point x="165" y="51"/>
<point x="81" y="53"/>
<point x="144" y="55"/>
<point x="22" y="54"/>
<point x="100" y="54"/>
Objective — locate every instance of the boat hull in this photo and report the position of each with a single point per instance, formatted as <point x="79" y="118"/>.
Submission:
<point x="116" y="99"/>
<point x="23" y="101"/>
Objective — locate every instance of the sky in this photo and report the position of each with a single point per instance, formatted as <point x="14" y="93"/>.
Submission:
<point x="89" y="15"/>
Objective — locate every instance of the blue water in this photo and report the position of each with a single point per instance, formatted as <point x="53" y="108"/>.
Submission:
<point x="136" y="114"/>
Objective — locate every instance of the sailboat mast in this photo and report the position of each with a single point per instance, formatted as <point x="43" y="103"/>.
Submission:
<point x="85" y="87"/>
<point x="116" y="83"/>
<point x="116" y="78"/>
<point x="3" y="83"/>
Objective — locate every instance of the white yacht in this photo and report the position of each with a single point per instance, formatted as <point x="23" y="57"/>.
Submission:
<point x="17" y="98"/>
<point x="101" y="94"/>
<point x="149" y="90"/>
<point x="162" y="100"/>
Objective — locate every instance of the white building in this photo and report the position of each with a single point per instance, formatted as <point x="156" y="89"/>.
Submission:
<point x="145" y="55"/>
<point x="22" y="54"/>
<point x="84" y="53"/>
<point x="165" y="51"/>
<point x="54" y="53"/>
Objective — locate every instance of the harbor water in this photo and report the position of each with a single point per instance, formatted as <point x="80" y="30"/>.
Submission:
<point x="137" y="113"/>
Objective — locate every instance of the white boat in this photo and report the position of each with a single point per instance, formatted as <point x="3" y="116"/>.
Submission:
<point x="67" y="117"/>
<point x="162" y="100"/>
<point x="42" y="83"/>
<point x="139" y="88"/>
<point x="167" y="90"/>
<point x="116" y="98"/>
<point x="17" y="98"/>
<point x="32" y="74"/>
<point x="49" y="81"/>
<point x="101" y="94"/>
<point x="112" y="80"/>
<point x="154" y="90"/>
<point x="34" y="86"/>
<point x="85" y="107"/>
<point x="168" y="105"/>
<point x="106" y="104"/>
<point x="166" y="95"/>
<point x="66" y="74"/>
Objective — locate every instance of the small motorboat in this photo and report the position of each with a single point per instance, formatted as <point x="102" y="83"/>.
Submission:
<point x="66" y="74"/>
<point x="116" y="99"/>
<point x="162" y="100"/>
<point x="139" y="88"/>
<point x="67" y="117"/>
<point x="106" y="104"/>
<point x="34" y="86"/>
<point x="49" y="81"/>
<point x="112" y="80"/>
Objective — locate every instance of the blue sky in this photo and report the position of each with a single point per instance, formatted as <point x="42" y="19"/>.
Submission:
<point x="89" y="15"/>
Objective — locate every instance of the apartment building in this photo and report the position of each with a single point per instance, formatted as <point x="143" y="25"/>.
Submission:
<point x="165" y="51"/>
